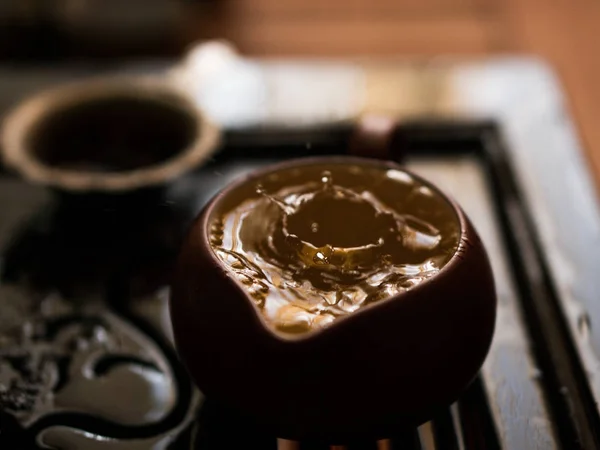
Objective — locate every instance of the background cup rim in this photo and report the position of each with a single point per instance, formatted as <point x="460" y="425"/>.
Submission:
<point x="16" y="129"/>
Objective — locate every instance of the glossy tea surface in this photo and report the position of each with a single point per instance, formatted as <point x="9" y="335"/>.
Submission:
<point x="316" y="242"/>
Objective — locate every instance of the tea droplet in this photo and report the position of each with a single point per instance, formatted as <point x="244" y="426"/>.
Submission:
<point x="326" y="179"/>
<point x="320" y="258"/>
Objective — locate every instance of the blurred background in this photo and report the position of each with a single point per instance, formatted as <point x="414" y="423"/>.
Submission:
<point x="562" y="32"/>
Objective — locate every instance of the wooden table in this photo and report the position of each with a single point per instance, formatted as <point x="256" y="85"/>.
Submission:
<point x="561" y="32"/>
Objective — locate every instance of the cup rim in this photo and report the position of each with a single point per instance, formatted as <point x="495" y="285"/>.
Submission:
<point x="17" y="154"/>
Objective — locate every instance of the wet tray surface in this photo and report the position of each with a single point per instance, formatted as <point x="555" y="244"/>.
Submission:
<point x="97" y="316"/>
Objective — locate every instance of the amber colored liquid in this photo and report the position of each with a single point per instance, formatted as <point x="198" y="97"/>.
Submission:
<point x="315" y="243"/>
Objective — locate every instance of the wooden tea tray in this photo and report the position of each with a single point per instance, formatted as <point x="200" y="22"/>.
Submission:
<point x="91" y="364"/>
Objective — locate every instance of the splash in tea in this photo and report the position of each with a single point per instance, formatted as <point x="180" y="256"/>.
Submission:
<point x="314" y="243"/>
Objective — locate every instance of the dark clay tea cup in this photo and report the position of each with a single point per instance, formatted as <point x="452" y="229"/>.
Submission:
<point x="107" y="136"/>
<point x="333" y="297"/>
<point x="112" y="151"/>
